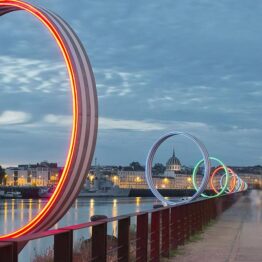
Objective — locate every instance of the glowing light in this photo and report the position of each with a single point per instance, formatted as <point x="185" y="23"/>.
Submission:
<point x="138" y="200"/>
<point x="232" y="183"/>
<point x="91" y="178"/>
<point x="92" y="203"/>
<point x="13" y="211"/>
<point x="115" y="180"/>
<point x="5" y="216"/>
<point x="22" y="211"/>
<point x="166" y="181"/>
<point x="222" y="167"/>
<point x="77" y="81"/>
<point x="114" y="214"/>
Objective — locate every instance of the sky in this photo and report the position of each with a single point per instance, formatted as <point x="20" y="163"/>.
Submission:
<point x="185" y="65"/>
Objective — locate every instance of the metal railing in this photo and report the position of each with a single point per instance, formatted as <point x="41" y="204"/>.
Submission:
<point x="157" y="232"/>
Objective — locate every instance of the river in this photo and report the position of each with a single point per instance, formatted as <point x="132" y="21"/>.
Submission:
<point x="16" y="212"/>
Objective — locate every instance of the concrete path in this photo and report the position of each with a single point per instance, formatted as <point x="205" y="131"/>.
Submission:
<point x="235" y="236"/>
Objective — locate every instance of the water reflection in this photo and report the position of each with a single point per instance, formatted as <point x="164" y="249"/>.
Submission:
<point x="138" y="199"/>
<point x="22" y="211"/>
<point x="15" y="213"/>
<point x="114" y="214"/>
<point x="5" y="216"/>
<point x="30" y="209"/>
<point x="91" y="211"/>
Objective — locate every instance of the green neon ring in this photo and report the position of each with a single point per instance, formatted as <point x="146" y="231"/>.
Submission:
<point x="225" y="185"/>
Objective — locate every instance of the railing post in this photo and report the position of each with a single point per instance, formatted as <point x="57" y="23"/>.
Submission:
<point x="174" y="234"/>
<point x="123" y="240"/>
<point x="6" y="252"/>
<point x="99" y="242"/>
<point x="141" y="237"/>
<point x="180" y="225"/>
<point x="183" y="224"/>
<point x="190" y="208"/>
<point x="63" y="247"/>
<point x="155" y="236"/>
<point x="193" y="218"/>
<point x="165" y="235"/>
<point x="187" y="222"/>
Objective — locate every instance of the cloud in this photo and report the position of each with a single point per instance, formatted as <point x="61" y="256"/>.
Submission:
<point x="106" y="123"/>
<point x="131" y="125"/>
<point x="58" y="120"/>
<point x="116" y="82"/>
<point x="27" y="75"/>
<point x="14" y="118"/>
<point x="184" y="65"/>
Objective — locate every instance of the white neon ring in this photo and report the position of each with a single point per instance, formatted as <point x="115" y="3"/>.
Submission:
<point x="149" y="161"/>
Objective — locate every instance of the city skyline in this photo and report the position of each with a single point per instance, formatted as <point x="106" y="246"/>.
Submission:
<point x="212" y="90"/>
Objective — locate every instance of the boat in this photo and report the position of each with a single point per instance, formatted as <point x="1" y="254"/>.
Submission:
<point x="10" y="194"/>
<point x="46" y="192"/>
<point x="112" y="192"/>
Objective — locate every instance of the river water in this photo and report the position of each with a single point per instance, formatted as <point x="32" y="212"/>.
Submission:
<point x="16" y="212"/>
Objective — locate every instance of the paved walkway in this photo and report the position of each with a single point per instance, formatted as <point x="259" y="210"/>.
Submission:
<point x="235" y="236"/>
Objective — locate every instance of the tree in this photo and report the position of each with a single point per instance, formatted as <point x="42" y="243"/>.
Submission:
<point x="2" y="175"/>
<point x="136" y="166"/>
<point x="158" y="169"/>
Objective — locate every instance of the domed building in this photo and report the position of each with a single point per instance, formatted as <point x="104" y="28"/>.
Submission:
<point x="173" y="165"/>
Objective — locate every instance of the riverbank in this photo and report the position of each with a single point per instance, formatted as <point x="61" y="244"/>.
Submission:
<point x="35" y="192"/>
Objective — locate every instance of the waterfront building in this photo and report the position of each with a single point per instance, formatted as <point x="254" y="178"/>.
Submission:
<point x="136" y="179"/>
<point x="253" y="180"/>
<point x="172" y="178"/>
<point x="173" y="166"/>
<point x="40" y="174"/>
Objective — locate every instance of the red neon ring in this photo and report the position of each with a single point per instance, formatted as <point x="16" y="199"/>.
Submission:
<point x="85" y="117"/>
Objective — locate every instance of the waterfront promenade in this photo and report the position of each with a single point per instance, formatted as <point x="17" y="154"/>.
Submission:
<point x="235" y="236"/>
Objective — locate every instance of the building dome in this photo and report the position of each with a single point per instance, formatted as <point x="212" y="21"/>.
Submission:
<point x="173" y="160"/>
<point x="173" y="164"/>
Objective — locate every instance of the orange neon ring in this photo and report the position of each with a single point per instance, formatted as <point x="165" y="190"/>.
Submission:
<point x="85" y="117"/>
<point x="213" y="175"/>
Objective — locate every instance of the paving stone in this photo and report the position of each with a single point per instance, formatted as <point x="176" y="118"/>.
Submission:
<point x="236" y="236"/>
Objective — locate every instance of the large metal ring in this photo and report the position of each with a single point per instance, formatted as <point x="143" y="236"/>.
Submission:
<point x="85" y="116"/>
<point x="149" y="162"/>
<point x="223" y="166"/>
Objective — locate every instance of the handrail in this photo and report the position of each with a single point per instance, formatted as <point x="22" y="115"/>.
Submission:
<point x="157" y="231"/>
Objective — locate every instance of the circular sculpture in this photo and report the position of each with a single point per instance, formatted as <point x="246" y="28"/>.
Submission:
<point x="233" y="181"/>
<point x="226" y="184"/>
<point x="212" y="177"/>
<point x="85" y="116"/>
<point x="238" y="184"/>
<point x="149" y="162"/>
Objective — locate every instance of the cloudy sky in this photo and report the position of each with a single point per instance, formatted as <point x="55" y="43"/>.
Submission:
<point x="183" y="65"/>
